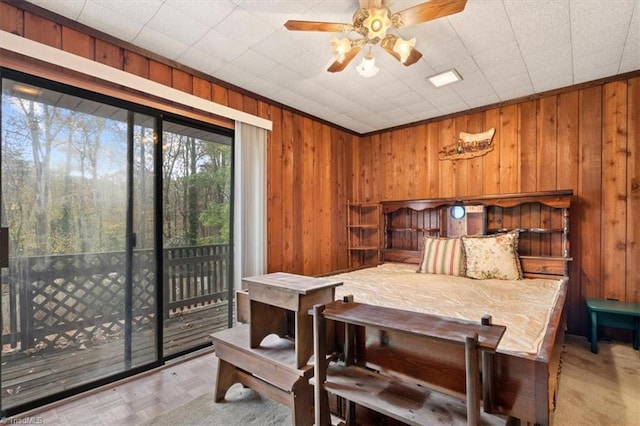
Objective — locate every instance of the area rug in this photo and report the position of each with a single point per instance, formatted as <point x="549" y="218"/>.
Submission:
<point x="241" y="406"/>
<point x="598" y="389"/>
<point x="594" y="389"/>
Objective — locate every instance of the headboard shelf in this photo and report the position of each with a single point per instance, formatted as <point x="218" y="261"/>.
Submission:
<point x="541" y="217"/>
<point x="413" y="229"/>
<point x="529" y="230"/>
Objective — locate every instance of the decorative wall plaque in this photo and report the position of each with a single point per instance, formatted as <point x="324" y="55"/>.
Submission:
<point x="469" y="145"/>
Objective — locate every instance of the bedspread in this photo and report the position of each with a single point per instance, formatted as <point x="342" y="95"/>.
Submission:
<point x="523" y="306"/>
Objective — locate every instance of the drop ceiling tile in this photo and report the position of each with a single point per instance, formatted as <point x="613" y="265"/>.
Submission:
<point x="97" y="16"/>
<point x="398" y="115"/>
<point x="209" y="13"/>
<point x="393" y="89"/>
<point x="308" y="65"/>
<point x="447" y="56"/>
<point x="436" y="32"/>
<point x="484" y="92"/>
<point x="237" y="75"/>
<point x="308" y="104"/>
<point x="280" y="48"/>
<point x="539" y="25"/>
<point x="328" y="97"/>
<point x="375" y="103"/>
<point x="330" y="11"/>
<point x="356" y="88"/>
<point x="420" y="108"/>
<point x="221" y="46"/>
<point x="282" y="77"/>
<point x="346" y="106"/>
<point x="482" y="24"/>
<point x="137" y="11"/>
<point x="172" y="22"/>
<point x="286" y="97"/>
<point x="551" y="68"/>
<point x="200" y="60"/>
<point x="306" y="88"/>
<point x="262" y="6"/>
<point x="240" y="25"/>
<point x="251" y="59"/>
<point x="261" y="86"/>
<point x="596" y="26"/>
<point x="631" y="54"/>
<point x="453" y="107"/>
<point x="156" y="41"/>
<point x="506" y="69"/>
<point x="482" y="100"/>
<point x="594" y="66"/>
<point x="513" y="87"/>
<point x="403" y="99"/>
<point x="496" y="54"/>
<point x="445" y="98"/>
<point x="69" y="8"/>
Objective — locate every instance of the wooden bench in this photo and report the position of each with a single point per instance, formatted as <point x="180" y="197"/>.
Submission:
<point x="406" y="398"/>
<point x="613" y="313"/>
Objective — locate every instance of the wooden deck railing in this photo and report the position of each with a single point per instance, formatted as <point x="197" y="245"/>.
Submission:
<point x="48" y="300"/>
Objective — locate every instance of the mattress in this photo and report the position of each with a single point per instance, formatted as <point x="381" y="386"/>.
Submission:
<point x="523" y="306"/>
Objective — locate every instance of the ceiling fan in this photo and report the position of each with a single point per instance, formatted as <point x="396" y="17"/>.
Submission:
<point x="371" y="21"/>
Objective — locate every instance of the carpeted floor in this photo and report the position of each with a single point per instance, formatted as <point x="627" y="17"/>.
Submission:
<point x="598" y="389"/>
<point x="594" y="389"/>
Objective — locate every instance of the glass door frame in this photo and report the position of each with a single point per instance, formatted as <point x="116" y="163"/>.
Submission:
<point x="133" y="109"/>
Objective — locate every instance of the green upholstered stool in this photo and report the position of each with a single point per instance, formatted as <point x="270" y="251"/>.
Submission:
<point x="613" y="313"/>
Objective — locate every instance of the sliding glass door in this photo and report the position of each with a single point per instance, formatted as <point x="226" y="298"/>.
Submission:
<point x="115" y="238"/>
<point x="196" y="169"/>
<point x="79" y="277"/>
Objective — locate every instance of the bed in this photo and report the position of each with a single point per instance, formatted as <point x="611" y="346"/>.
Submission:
<point x="531" y="306"/>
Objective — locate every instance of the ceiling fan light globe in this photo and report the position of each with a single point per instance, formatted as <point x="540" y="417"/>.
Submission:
<point x="367" y="67"/>
<point x="340" y="47"/>
<point x="403" y="48"/>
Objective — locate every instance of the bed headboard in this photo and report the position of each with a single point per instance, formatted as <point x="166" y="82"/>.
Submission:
<point x="541" y="217"/>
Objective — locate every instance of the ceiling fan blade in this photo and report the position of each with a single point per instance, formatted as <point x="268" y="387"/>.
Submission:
<point x="370" y="4"/>
<point x="414" y="56"/>
<point x="331" y="27"/>
<point x="433" y="9"/>
<point x="348" y="57"/>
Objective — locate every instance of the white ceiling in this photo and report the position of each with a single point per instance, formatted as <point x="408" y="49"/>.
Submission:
<point x="504" y="49"/>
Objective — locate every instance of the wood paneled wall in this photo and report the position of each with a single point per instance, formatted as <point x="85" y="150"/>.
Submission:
<point x="585" y="139"/>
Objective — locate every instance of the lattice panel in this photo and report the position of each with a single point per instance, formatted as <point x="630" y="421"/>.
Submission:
<point x="80" y="299"/>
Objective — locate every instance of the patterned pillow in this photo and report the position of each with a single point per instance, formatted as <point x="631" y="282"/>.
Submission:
<point x="442" y="256"/>
<point x="492" y="256"/>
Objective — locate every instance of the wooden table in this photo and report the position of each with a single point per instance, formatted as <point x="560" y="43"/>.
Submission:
<point x="613" y="313"/>
<point x="273" y="296"/>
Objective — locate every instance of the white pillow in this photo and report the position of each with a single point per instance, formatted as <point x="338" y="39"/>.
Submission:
<point x="492" y="256"/>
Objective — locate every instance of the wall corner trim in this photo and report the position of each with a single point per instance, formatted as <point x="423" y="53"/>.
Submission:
<point x="51" y="55"/>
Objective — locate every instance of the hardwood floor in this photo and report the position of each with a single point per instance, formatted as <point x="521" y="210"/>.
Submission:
<point x="136" y="400"/>
<point x="26" y="377"/>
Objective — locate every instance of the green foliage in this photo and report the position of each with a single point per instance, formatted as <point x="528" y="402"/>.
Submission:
<point x="64" y="180"/>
